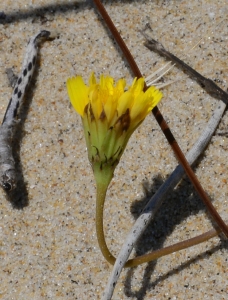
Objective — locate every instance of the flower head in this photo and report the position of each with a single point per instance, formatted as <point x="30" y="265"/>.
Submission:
<point x="110" y="115"/>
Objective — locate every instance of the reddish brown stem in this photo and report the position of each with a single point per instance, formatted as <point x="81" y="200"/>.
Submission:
<point x="162" y="123"/>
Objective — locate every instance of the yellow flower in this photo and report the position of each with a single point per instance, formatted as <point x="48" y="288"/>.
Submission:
<point x="110" y="115"/>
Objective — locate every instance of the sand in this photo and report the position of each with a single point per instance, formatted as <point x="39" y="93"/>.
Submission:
<point x="49" y="248"/>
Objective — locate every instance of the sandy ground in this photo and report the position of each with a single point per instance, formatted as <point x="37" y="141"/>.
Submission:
<point x="48" y="241"/>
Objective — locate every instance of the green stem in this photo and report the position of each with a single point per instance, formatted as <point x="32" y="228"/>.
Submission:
<point x="101" y="194"/>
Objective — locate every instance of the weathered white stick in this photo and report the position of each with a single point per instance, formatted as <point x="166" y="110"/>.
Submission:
<point x="8" y="174"/>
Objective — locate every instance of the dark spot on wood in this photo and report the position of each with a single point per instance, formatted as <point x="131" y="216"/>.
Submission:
<point x="25" y="72"/>
<point x="16" y="90"/>
<point x="19" y="80"/>
<point x="30" y="66"/>
<point x="169" y="135"/>
<point x="19" y="94"/>
<point x="7" y="186"/>
<point x="15" y="113"/>
<point x="159" y="119"/>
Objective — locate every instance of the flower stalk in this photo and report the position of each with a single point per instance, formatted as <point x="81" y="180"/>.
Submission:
<point x="100" y="200"/>
<point x="110" y="114"/>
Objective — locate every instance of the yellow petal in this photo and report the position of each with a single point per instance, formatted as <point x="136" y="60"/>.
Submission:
<point x="106" y="83"/>
<point x="119" y="88"/>
<point x="78" y="93"/>
<point x="110" y="109"/>
<point x="155" y="95"/>
<point x="144" y="103"/>
<point x="95" y="101"/>
<point x="125" y="102"/>
<point x="92" y="79"/>
<point x="137" y="87"/>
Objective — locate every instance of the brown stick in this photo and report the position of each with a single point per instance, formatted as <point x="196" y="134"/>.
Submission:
<point x="206" y="83"/>
<point x="162" y="123"/>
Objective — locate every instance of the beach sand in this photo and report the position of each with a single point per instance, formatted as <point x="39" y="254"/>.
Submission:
<point x="49" y="248"/>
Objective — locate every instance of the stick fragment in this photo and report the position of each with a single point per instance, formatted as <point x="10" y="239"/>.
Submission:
<point x="8" y="174"/>
<point x="206" y="83"/>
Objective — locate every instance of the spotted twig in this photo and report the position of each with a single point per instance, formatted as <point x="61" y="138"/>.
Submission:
<point x="8" y="174"/>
